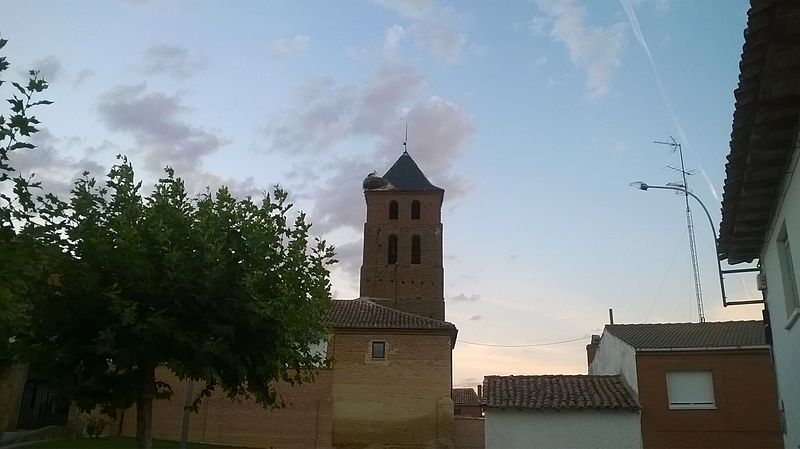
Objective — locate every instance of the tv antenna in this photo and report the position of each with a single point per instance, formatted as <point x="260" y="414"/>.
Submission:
<point x="675" y="146"/>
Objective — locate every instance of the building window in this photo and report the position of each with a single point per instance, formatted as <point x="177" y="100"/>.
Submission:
<point x="393" y="210"/>
<point x="378" y="349"/>
<point x="415" y="210"/>
<point x="789" y="278"/>
<point x="690" y="390"/>
<point x="392" y="253"/>
<point x="415" y="249"/>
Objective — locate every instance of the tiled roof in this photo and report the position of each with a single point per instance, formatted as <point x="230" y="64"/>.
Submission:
<point x="558" y="392"/>
<point x="362" y="313"/>
<point x="723" y="334"/>
<point x="406" y="175"/>
<point x="764" y="128"/>
<point x="465" y="396"/>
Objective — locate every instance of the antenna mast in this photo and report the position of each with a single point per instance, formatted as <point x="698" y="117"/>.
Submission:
<point x="676" y="146"/>
<point x="405" y="141"/>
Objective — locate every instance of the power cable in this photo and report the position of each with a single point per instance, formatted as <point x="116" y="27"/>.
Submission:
<point x="525" y="346"/>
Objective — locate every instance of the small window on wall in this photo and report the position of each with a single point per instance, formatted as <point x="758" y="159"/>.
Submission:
<point x="393" y="210"/>
<point x="415" y="210"/>
<point x="378" y="349"/>
<point x="391" y="258"/>
<point x="789" y="278"/>
<point x="690" y="390"/>
<point x="415" y="249"/>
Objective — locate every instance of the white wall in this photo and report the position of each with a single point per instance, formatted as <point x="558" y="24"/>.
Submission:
<point x="533" y="429"/>
<point x="786" y="341"/>
<point x="614" y="356"/>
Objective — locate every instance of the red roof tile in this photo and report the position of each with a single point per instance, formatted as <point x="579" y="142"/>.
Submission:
<point x="557" y="392"/>
<point x="465" y="396"/>
<point x="362" y="313"/>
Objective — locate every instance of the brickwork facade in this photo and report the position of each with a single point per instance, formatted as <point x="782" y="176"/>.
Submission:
<point x="411" y="287"/>
<point x="305" y="423"/>
<point x="402" y="400"/>
<point x="12" y="383"/>
<point x="746" y="413"/>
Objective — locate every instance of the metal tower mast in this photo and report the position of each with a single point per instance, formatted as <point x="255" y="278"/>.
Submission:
<point x="690" y="227"/>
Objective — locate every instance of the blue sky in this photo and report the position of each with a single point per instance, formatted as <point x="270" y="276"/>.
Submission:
<point x="533" y="115"/>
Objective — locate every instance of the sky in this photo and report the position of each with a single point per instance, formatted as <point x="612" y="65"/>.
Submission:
<point x="534" y="116"/>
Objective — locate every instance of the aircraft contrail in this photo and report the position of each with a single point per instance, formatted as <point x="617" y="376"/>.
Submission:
<point x="637" y="33"/>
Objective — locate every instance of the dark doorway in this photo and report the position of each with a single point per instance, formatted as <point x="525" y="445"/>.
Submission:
<point x="39" y="407"/>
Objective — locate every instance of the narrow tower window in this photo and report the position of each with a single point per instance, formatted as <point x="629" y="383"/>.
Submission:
<point x="415" y="210"/>
<point x="415" y="249"/>
<point x="392" y="259"/>
<point x="393" y="210"/>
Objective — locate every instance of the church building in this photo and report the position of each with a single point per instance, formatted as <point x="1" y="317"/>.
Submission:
<point x="390" y="384"/>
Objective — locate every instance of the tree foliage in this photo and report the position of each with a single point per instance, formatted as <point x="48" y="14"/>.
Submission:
<point x="226" y="291"/>
<point x="100" y="289"/>
<point x="18" y="251"/>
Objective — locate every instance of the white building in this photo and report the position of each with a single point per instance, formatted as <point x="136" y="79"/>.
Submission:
<point x="761" y="204"/>
<point x="560" y="412"/>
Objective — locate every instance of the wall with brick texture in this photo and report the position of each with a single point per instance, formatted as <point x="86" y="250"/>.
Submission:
<point x="400" y="401"/>
<point x="305" y="423"/>
<point x="746" y="414"/>
<point x="419" y="288"/>
<point x="468" y="433"/>
<point x="12" y="384"/>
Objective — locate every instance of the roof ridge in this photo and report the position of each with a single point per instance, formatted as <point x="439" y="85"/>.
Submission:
<point x="685" y="322"/>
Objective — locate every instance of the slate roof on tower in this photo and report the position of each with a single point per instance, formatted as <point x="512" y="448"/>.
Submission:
<point x="406" y="175"/>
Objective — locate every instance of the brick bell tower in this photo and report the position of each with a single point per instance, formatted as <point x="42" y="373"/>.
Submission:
<point x="402" y="265"/>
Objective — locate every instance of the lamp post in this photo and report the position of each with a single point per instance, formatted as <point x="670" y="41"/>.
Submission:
<point x="644" y="186"/>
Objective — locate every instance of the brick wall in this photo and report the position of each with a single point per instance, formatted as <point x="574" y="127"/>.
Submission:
<point x="468" y="433"/>
<point x="401" y="401"/>
<point x="12" y="383"/>
<point x="418" y="287"/>
<point x="305" y="423"/>
<point x="746" y="414"/>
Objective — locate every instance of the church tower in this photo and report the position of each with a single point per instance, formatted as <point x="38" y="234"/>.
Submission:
<point x="402" y="265"/>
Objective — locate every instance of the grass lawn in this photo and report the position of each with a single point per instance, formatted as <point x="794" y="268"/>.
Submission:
<point x="118" y="443"/>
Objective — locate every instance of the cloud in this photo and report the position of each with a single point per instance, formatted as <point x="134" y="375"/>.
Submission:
<point x="463" y="297"/>
<point x="51" y="164"/>
<point x="49" y="68"/>
<point x="475" y="317"/>
<point x="158" y="125"/>
<point x="327" y="115"/>
<point x="441" y="34"/>
<point x="170" y="60"/>
<point x="413" y="9"/>
<point x="395" y="35"/>
<point x="437" y="29"/>
<point x="289" y="47"/>
<point x="594" y="49"/>
<point x="349" y="256"/>
<point x="82" y="77"/>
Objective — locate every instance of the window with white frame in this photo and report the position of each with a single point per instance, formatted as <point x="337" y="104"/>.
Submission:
<point x="690" y="390"/>
<point x="789" y="277"/>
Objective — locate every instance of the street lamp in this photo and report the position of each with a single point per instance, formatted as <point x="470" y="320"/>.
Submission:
<point x="640" y="185"/>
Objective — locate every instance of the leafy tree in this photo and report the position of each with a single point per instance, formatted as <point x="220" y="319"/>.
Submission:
<point x="228" y="292"/>
<point x="18" y="252"/>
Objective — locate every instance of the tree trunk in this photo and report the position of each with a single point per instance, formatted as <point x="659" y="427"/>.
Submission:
<point x="144" y="407"/>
